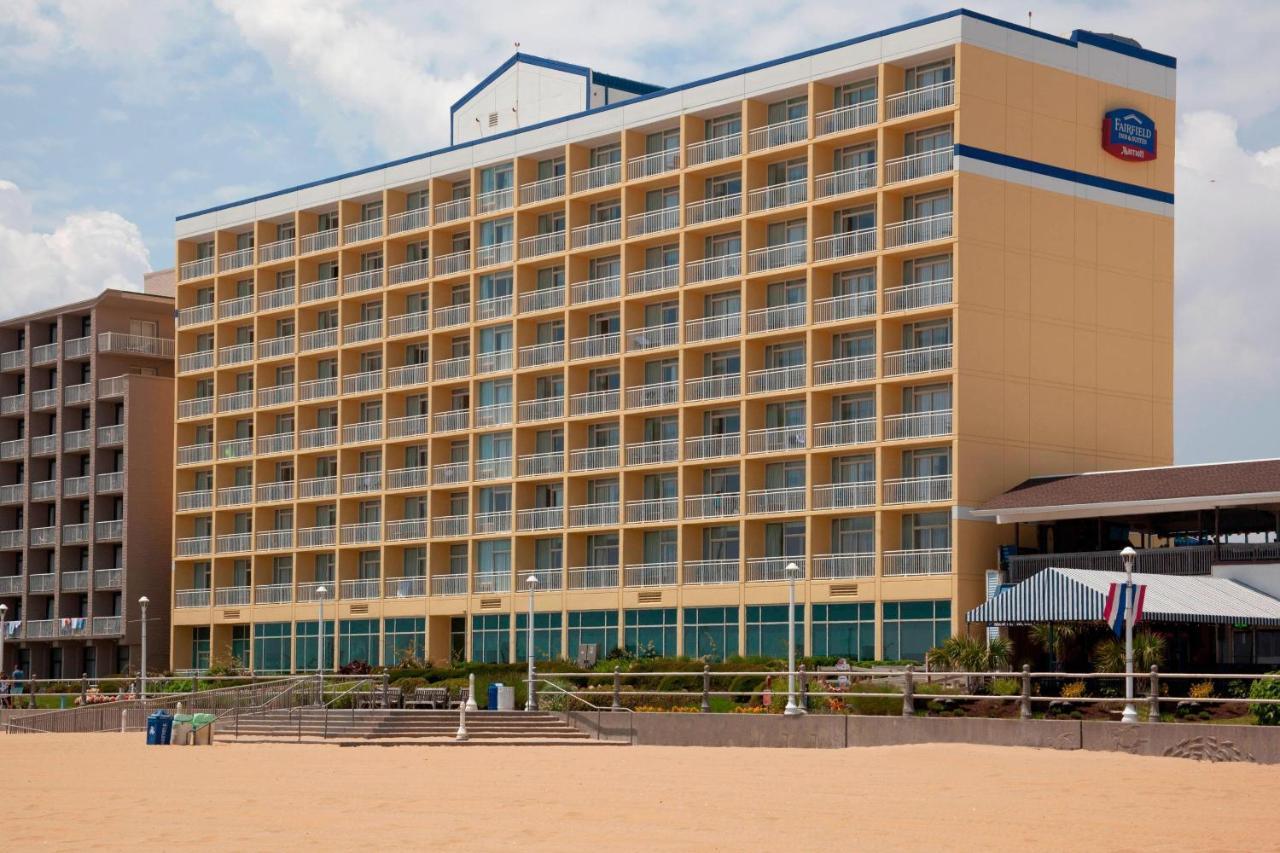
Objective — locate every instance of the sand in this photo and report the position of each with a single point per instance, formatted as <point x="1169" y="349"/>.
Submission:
<point x="110" y="791"/>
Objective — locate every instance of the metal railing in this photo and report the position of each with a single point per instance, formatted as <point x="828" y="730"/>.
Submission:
<point x="409" y="220"/>
<point x="653" y="221"/>
<point x="845" y="244"/>
<point x="198" y="268"/>
<point x="926" y="561"/>
<point x="917" y="425"/>
<point x="778" y="257"/>
<point x="712" y="328"/>
<point x="858" y="368"/>
<point x="650" y="280"/>
<point x="780" y="133"/>
<point x="494" y="253"/>
<point x="596" y="233"/>
<point x="593" y="515"/>
<point x="593" y="577"/>
<point x="541" y="409"/>
<point x="595" y="346"/>
<point x="777" y="500"/>
<point x="596" y="177"/>
<point x="449" y="584"/>
<point x="318" y="241"/>
<point x="712" y="505"/>
<point x="652" y="510"/>
<point x="777" y="439"/>
<point x="920" y="100"/>
<point x="776" y="317"/>
<point x="705" y="572"/>
<point x="778" y="195"/>
<point x="713" y="387"/>
<point x="912" y="490"/>
<point x="452" y="210"/>
<point x="843" y="118"/>
<point x="653" y="164"/>
<point x="839" y="433"/>
<point x="454" y="262"/>
<point x="845" y="181"/>
<point x="409" y="272"/>
<point x="918" y="360"/>
<point x="540" y="464"/>
<point x="776" y="379"/>
<point x="495" y="200"/>
<point x="844" y="495"/>
<point x="713" y="209"/>
<point x="711" y="150"/>
<point x="921" y="230"/>
<point x="921" y="165"/>
<point x="712" y="446"/>
<point x="540" y="518"/>
<point x="713" y="269"/>
<point x="653" y="394"/>
<point x="922" y="295"/>
<point x="593" y="458"/>
<point x="542" y="190"/>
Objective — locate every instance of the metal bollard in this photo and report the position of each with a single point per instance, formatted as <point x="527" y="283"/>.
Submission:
<point x="1026" y="692"/>
<point x="471" y="694"/>
<point x="617" y="689"/>
<point x="909" y="691"/>
<point x="706" y="689"/>
<point x="804" y="689"/>
<point x="461" y="734"/>
<point x="385" y="681"/>
<point x="84" y="687"/>
<point x="1153" y="697"/>
<point x="532" y="703"/>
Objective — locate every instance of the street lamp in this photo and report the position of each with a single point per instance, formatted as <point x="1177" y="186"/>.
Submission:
<point x="793" y="574"/>
<point x="531" y="701"/>
<point x="4" y="609"/>
<point x="142" y="603"/>
<point x="321" y="592"/>
<point x="1130" y="714"/>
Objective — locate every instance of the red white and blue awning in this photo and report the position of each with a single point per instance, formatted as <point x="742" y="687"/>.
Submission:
<point x="1080" y="595"/>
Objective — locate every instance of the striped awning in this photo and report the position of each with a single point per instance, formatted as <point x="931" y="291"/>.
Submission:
<point x="1078" y="595"/>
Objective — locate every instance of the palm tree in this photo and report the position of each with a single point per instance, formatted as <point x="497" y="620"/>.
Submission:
<point x="1148" y="651"/>
<point x="1054" y="638"/>
<point x="969" y="654"/>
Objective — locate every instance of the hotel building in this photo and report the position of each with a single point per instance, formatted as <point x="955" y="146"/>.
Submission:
<point x="85" y="483"/>
<point x="655" y="350"/>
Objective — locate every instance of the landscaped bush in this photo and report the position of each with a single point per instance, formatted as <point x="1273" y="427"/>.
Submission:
<point x="1006" y="687"/>
<point x="1073" y="690"/>
<point x="1201" y="690"/>
<point x="1266" y="688"/>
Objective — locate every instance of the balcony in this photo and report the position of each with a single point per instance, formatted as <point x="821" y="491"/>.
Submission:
<point x="653" y="452"/>
<point x="652" y="510"/>
<point x="79" y="439"/>
<point x="12" y="539"/>
<point x="777" y="439"/>
<point x="842" y="433"/>
<point x="194" y="453"/>
<point x="310" y="592"/>
<point x="14" y="493"/>
<point x="410" y="587"/>
<point x="718" y="505"/>
<point x="317" y="487"/>
<point x="452" y="315"/>
<point x="542" y="518"/>
<point x="777" y="257"/>
<point x="44" y="353"/>
<point x="362" y="431"/>
<point x="495" y="253"/>
<point x="237" y="354"/>
<point x="235" y="496"/>
<point x="713" y="209"/>
<point x="276" y="251"/>
<point x="776" y="500"/>
<point x="194" y="546"/>
<point x="596" y="233"/>
<point x="918" y="490"/>
<point x="594" y="402"/>
<point x="319" y="241"/>
<point x="841" y="566"/>
<point x="452" y="420"/>
<point x="318" y="389"/>
<point x="653" y="337"/>
<point x="920" y="100"/>
<point x="492" y="469"/>
<point x="281" y="490"/>
<point x="47" y="445"/>
<point x="921" y="165"/>
<point x="111" y="530"/>
<point x="356" y="333"/>
<point x="273" y="593"/>
<point x="75" y="534"/>
<point x="195" y="499"/>
<point x="275" y="540"/>
<point x="922" y="230"/>
<point x="705" y="572"/>
<point x="909" y="362"/>
<point x="237" y="260"/>
<point x="713" y="269"/>
<point x="838" y="308"/>
<point x="453" y="263"/>
<point x="922" y="561"/>
<point x="11" y="584"/>
<point x="540" y="354"/>
<point x="776" y="379"/>
<point x="845" y="245"/>
<point x="653" y="394"/>
<point x="776" y="317"/>
<point x="858" y="368"/>
<point x="232" y="596"/>
<point x="277" y="395"/>
<point x="546" y="189"/>
<point x="926" y="294"/>
<point x="449" y="584"/>
<point x="849" y="117"/>
<point x="486" y="583"/>
<point x="648" y="165"/>
<point x="492" y="522"/>
<point x="778" y="195"/>
<point x="236" y="401"/>
<point x="917" y="425"/>
<point x="549" y="580"/>
<point x="110" y="482"/>
<point x="650" y="574"/>
<point x="238" y="307"/>
<point x="408" y="324"/>
<point x="358" y="232"/>
<point x="593" y="577"/>
<point x="198" y="268"/>
<point x="310" y="439"/>
<point x="408" y="426"/>
<point x="712" y="328"/>
<point x="845" y="495"/>
<point x="365" y="533"/>
<point x="234" y="543"/>
<point x="195" y="315"/>
<point x="409" y="220"/>
<point x="112" y="578"/>
<point x="493" y="362"/>
<point x="772" y="569"/>
<point x="409" y="272"/>
<point x="46" y="398"/>
<point x="593" y="515"/>
<point x="14" y="360"/>
<point x="112" y="387"/>
<point x="120" y="343"/>
<point x="275" y="300"/>
<point x="593" y="458"/>
<point x="596" y="290"/>
<point x="317" y="537"/>
<point x="317" y="291"/>
<point x="406" y="529"/>
<point x="595" y="346"/>
<point x="845" y="181"/>
<point x="542" y="409"/>
<point x="108" y="626"/>
<point x="83" y="346"/>
<point x="496" y="414"/>
<point x="453" y="210"/>
<point x="655" y="279"/>
<point x="711" y="150"/>
<point x="451" y="525"/>
<point x="408" y="478"/>
<point x="540" y="464"/>
<point x="44" y="490"/>
<point x="596" y="177"/>
<point x="712" y="446"/>
<point x="362" y="282"/>
<point x="447" y="473"/>
<point x="75" y="394"/>
<point x="199" y="360"/>
<point x="653" y="221"/>
<point x="362" y="383"/>
<point x="779" y="134"/>
<point x="543" y="299"/>
<point x="713" y="387"/>
<point x="185" y="598"/>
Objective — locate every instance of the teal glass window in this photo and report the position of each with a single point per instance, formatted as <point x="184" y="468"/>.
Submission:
<point x="358" y="640"/>
<point x="845" y="631"/>
<point x="404" y="636"/>
<point x="271" y="646"/>
<point x="546" y="636"/>
<point x="911" y="628"/>
<point x="305" y="648"/>
<point x="767" y="630"/>
<point x="650" y="632"/>
<point x="490" y="638"/>
<point x="711" y="632"/>
<point x="593" y="626"/>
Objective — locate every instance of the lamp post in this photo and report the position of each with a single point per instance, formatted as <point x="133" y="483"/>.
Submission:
<point x="531" y="701"/>
<point x="1130" y="714"/>
<point x="142" y="603"/>
<point x="793" y="574"/>
<point x="4" y="610"/>
<point x="321" y="592"/>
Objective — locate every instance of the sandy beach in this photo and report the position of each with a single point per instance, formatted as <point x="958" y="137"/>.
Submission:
<point x="109" y="791"/>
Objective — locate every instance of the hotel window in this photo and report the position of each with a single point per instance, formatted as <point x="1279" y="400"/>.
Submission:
<point x="415" y="507"/>
<point x="548" y="554"/>
<point x="458" y="559"/>
<point x="201" y="574"/>
<point x="796" y="169"/>
<point x="721" y="186"/>
<point x="660" y="545"/>
<point x="657" y="257"/>
<point x="854" y="157"/>
<point x="782" y="293"/>
<point x="926" y="204"/>
<point x="200" y="645"/>
<point x="550" y="223"/>
<point x="924" y="141"/>
<point x="417" y="200"/>
<point x="723" y="245"/>
<point x="460" y="190"/>
<point x="552" y="168"/>
<point x="711" y="632"/>
<point x="404" y="639"/>
<point x="926" y="531"/>
<point x="767" y="630"/>
<point x="720" y="542"/>
<point x="204" y="250"/>
<point x="854" y="219"/>
<point x="460" y="241"/>
<point x="788" y="110"/>
<point x="282" y="567"/>
<point x="494" y="339"/>
<point x="853" y="344"/>
<point x="495" y="232"/>
<point x="790" y="354"/>
<point x="721" y="422"/>
<point x="665" y="428"/>
<point x="602" y="551"/>
<point x="650" y="633"/>
<point x="784" y="475"/>
<point x="929" y="74"/>
<point x="550" y="278"/>
<point x="324" y="569"/>
<point x="788" y="414"/>
<point x="853" y="535"/>
<point x="604" y="211"/>
<point x="241" y="645"/>
<point x="368" y="563"/>
<point x="721" y="126"/>
<point x="919" y="399"/>
<point x="244" y="240"/>
<point x="593" y="627"/>
<point x="722" y="363"/>
<point x="358" y="640"/>
<point x="924" y="270"/>
<point x="489" y="637"/>
<point x="546" y="635"/>
<point x="493" y="556"/>
<point x="271" y="646"/>
<point x="419" y="251"/>
<point x="663" y="140"/>
<point x="370" y="211"/>
<point x="932" y="333"/>
<point x="782" y="233"/>
<point x="305" y="645"/>
<point x="716" y="481"/>
<point x="548" y="441"/>
<point x="844" y="631"/>
<point x="726" y="303"/>
<point x="370" y="261"/>
<point x="494" y="499"/>
<point x="602" y="435"/>
<point x="853" y="407"/>
<point x="857" y="92"/>
<point x="493" y="178"/>
<point x="548" y="495"/>
<point x="284" y="280"/>
<point x="784" y="538"/>
<point x="911" y="628"/>
<point x="606" y="155"/>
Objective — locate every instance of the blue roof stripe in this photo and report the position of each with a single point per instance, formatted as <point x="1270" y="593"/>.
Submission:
<point x="1077" y="38"/>
<point x="1063" y="174"/>
<point x="635" y="87"/>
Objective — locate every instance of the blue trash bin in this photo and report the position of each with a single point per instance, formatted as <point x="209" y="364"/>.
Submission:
<point x="153" y="728"/>
<point x="492" y="703"/>
<point x="166" y="728"/>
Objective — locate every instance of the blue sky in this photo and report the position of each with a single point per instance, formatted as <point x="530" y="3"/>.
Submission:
<point x="117" y="115"/>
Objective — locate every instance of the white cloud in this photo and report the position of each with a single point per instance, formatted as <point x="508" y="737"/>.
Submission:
<point x="86" y="252"/>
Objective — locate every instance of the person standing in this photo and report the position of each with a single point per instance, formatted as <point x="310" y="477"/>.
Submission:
<point x="16" y="689"/>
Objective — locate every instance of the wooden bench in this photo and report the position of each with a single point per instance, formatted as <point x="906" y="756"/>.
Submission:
<point x="429" y="697"/>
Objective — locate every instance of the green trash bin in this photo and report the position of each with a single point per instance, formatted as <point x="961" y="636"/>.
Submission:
<point x="182" y="730"/>
<point x="202" y="733"/>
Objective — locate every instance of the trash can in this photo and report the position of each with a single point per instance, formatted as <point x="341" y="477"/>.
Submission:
<point x="202" y="734"/>
<point x="153" y="728"/>
<point x="182" y="728"/>
<point x="506" y="697"/>
<point x="492" y="703"/>
<point x="166" y="728"/>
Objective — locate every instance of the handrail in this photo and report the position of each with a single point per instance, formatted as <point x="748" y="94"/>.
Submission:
<point x="631" y="727"/>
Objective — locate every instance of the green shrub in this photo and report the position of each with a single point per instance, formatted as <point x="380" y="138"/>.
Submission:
<point x="1266" y="688"/>
<point x="879" y="700"/>
<point x="1006" y="687"/>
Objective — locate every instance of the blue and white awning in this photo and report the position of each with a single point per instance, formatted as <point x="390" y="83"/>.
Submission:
<point x="1078" y="595"/>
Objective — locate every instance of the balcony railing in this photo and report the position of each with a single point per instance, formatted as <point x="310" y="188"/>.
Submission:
<point x="231" y="543"/>
<point x="549" y="580"/>
<point x="83" y="346"/>
<point x="543" y="299"/>
<point x="239" y="259"/>
<point x="918" y="490"/>
<point x="358" y="232"/>
<point x="712" y="505"/>
<point x="408" y="587"/>
<point x="365" y="533"/>
<point x="837" y="308"/>
<point x="236" y="354"/>
<point x="362" y="281"/>
<point x="650" y="280"/>
<point x="110" y="481"/>
<point x="839" y="433"/>
<point x="198" y="268"/>
<point x="922" y="230"/>
<point x="317" y="537"/>
<point x="543" y="190"/>
<point x="652" y="510"/>
<point x="195" y="315"/>
<point x="276" y="347"/>
<point x="193" y="453"/>
<point x="409" y="272"/>
<point x="318" y="241"/>
<point x="542" y="244"/>
<point x="490" y="362"/>
<point x="776" y="317"/>
<point x="81" y="393"/>
<point x="44" y="353"/>
<point x="276" y="251"/>
<point x="75" y="534"/>
<point x="451" y="472"/>
<point x="273" y="593"/>
<point x="593" y="458"/>
<point x="712" y="328"/>
<point x="593" y="577"/>
<point x="495" y="200"/>
<point x="236" y="401"/>
<point x="13" y="404"/>
<point x="839" y="566"/>
<point x="547" y="408"/>
<point x="278" y="395"/>
<point x="652" y="337"/>
<point x="924" y="561"/>
<point x="713" y="209"/>
<point x="653" y="221"/>
<point x="539" y="354"/>
<point x="13" y="493"/>
<point x="713" y="387"/>
<point x="921" y="100"/>
<point x="45" y="398"/>
<point x="778" y="195"/>
<point x="408" y="478"/>
<point x="75" y="581"/>
<point x="845" y="181"/>
<point x="367" y="330"/>
<point x="453" y="210"/>
<point x="495" y="253"/>
<point x="108" y="626"/>
<point x="316" y="291"/>
<point x="362" y="383"/>
<point x="653" y="452"/>
<point x="778" y="257"/>
<point x="594" y="402"/>
<point x="486" y="583"/>
<point x="712" y="446"/>
<point x="275" y="540"/>
<point x="408" y="426"/>
<point x="593" y="515"/>
<point x="540" y="464"/>
<point x="595" y="346"/>
<point x="495" y="414"/>
<point x="192" y="546"/>
<point x="11" y="539"/>
<point x="111" y="578"/>
<point x="844" y="495"/>
<point x="596" y="233"/>
<point x="45" y="445"/>
<point x="79" y="439"/>
<point x="492" y="469"/>
<point x="653" y="164"/>
<point x="453" y="263"/>
<point x="112" y="386"/>
<point x="310" y="439"/>
<point x="858" y="368"/>
<point x="13" y="360"/>
<point x="451" y="525"/>
<point x="844" y="245"/>
<point x="772" y="569"/>
<point x="541" y="518"/>
<point x="454" y="419"/>
<point x="363" y="588"/>
<point x="407" y="324"/>
<point x="920" y="165"/>
<point x="713" y="269"/>
<point x="72" y="487"/>
<point x="650" y="574"/>
<point x="917" y="425"/>
<point x="281" y="490"/>
<point x="918" y="360"/>
<point x="409" y="220"/>
<point x="653" y="394"/>
<point x="844" y="118"/>
<point x="777" y="439"/>
<point x="360" y="482"/>
<point x="195" y="499"/>
<point x="776" y="379"/>
<point x="449" y="584"/>
<point x="925" y="294"/>
<point x="361" y="432"/>
<point x="237" y="307"/>
<point x="711" y="150"/>
<point x="191" y="598"/>
<point x="596" y="177"/>
<point x="703" y="572"/>
<point x="780" y="133"/>
<point x="776" y="500"/>
<point x="317" y="389"/>
<point x="317" y="487"/>
<point x="492" y="522"/>
<point x="451" y="315"/>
